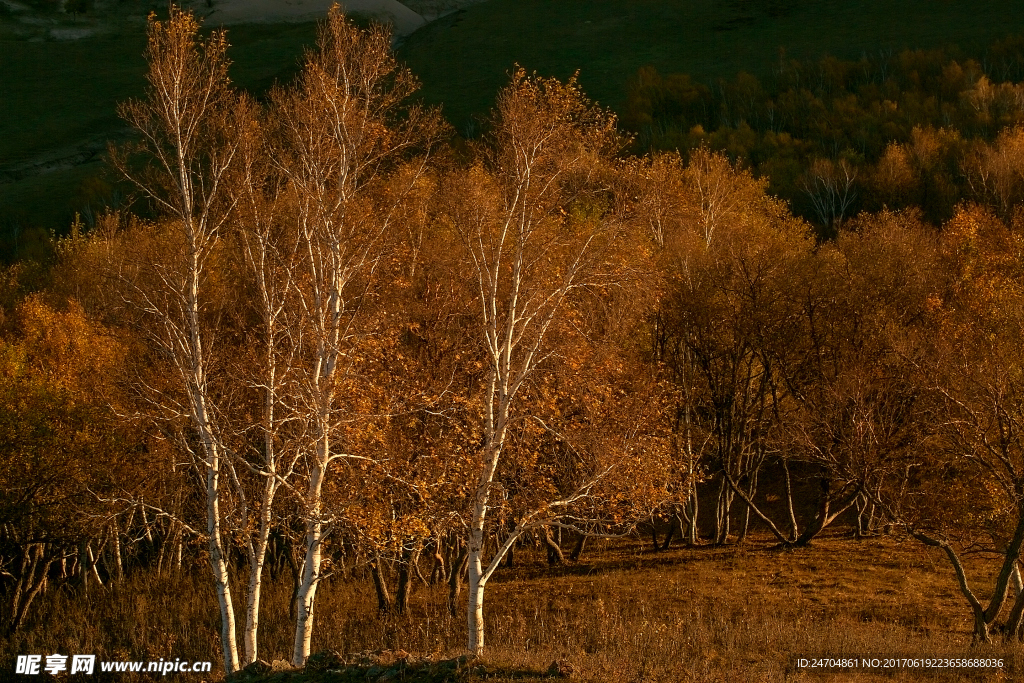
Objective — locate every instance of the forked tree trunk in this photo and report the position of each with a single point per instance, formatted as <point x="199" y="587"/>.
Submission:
<point x="985" y="616"/>
<point x="555" y="555"/>
<point x="825" y="517"/>
<point x="380" y="585"/>
<point x="31" y="580"/>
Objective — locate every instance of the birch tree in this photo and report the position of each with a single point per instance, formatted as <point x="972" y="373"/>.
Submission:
<point x="535" y="240"/>
<point x="857" y="411"/>
<point x="180" y="162"/>
<point x="343" y="128"/>
<point x="725" y="265"/>
<point x="261" y="417"/>
<point x="967" y="489"/>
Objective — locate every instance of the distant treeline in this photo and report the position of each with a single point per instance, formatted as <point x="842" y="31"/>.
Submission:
<point x="893" y="130"/>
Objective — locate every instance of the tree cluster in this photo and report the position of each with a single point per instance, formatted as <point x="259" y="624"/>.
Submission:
<point x="920" y="128"/>
<point x="349" y="337"/>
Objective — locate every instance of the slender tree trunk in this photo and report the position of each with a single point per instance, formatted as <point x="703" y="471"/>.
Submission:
<point x="219" y="565"/>
<point x="31" y="581"/>
<point x="93" y="564"/>
<point x="756" y="510"/>
<point x="419" y="572"/>
<point x="83" y="568"/>
<point x="510" y="557"/>
<point x="723" y="512"/>
<point x="497" y="414"/>
<point x="746" y="515"/>
<point x="794" y="529"/>
<point x="405" y="574"/>
<point x="380" y="585"/>
<point x="1012" y="631"/>
<point x="672" y="523"/>
<point x="437" y="564"/>
<point x="475" y="604"/>
<point x="305" y="596"/>
<point x="118" y="563"/>
<point x="577" y="552"/>
<point x="555" y="554"/>
<point x="694" y="510"/>
<point x="862" y="508"/>
<point x="257" y="561"/>
<point x="457" y="568"/>
<point x="981" y="633"/>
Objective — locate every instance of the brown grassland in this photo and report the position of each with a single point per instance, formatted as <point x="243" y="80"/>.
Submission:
<point x="622" y="613"/>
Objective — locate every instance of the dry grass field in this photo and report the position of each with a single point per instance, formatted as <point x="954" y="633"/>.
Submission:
<point x="623" y="613"/>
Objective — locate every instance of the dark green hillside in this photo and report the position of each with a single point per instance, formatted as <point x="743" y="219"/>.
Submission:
<point x="463" y="58"/>
<point x="58" y="102"/>
<point x="58" y="97"/>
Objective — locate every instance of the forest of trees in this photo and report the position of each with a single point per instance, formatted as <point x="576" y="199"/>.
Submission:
<point x="918" y="128"/>
<point x="344" y="332"/>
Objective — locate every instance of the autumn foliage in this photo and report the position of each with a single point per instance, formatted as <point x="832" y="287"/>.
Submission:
<point x="344" y="337"/>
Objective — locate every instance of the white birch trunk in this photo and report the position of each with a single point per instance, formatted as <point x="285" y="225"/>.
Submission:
<point x="257" y="560"/>
<point x="305" y="596"/>
<point x="475" y="609"/>
<point x="189" y="97"/>
<point x="195" y="381"/>
<point x="219" y="566"/>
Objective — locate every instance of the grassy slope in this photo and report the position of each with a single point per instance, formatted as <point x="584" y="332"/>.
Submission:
<point x="57" y="93"/>
<point x="463" y="59"/>
<point x="622" y="614"/>
<point x="58" y="97"/>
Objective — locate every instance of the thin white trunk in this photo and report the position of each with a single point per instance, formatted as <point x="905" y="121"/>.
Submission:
<point x="219" y="566"/>
<point x="475" y="610"/>
<point x="305" y="596"/>
<point x="496" y="428"/>
<point x="92" y="564"/>
<point x="188" y="96"/>
<point x="118" y="564"/>
<point x="257" y="561"/>
<point x="475" y="604"/>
